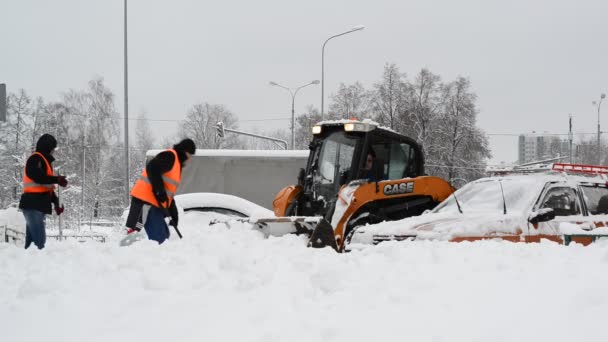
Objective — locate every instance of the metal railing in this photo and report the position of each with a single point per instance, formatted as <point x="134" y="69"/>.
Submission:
<point x="15" y="236"/>
<point x="12" y="235"/>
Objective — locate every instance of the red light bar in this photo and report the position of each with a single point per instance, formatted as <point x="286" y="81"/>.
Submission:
<point x="592" y="169"/>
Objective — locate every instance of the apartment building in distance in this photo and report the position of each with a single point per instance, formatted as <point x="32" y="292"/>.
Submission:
<point x="539" y="146"/>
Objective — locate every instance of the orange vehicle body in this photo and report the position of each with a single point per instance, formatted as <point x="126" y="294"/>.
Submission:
<point x="358" y="173"/>
<point x="437" y="189"/>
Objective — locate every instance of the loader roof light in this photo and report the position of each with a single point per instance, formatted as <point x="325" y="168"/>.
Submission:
<point x="358" y="127"/>
<point x="316" y="129"/>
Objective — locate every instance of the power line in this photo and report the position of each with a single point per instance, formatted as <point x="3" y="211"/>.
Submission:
<point x="540" y="134"/>
<point x="167" y="120"/>
<point x="287" y="119"/>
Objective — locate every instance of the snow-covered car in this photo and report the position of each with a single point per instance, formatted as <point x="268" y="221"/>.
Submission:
<point x="207" y="206"/>
<point x="557" y="206"/>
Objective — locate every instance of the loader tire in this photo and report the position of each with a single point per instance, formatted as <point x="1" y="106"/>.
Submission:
<point x="291" y="208"/>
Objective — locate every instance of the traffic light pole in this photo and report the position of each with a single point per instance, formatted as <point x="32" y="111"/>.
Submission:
<point x="221" y="132"/>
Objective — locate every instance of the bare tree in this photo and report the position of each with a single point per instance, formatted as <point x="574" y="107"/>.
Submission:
<point x="200" y="126"/>
<point x="461" y="142"/>
<point x="304" y="124"/>
<point x="387" y="100"/>
<point x="14" y="139"/>
<point x="349" y="101"/>
<point x="144" y="141"/>
<point x="424" y="102"/>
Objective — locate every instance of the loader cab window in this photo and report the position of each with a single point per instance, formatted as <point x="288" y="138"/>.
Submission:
<point x="335" y="159"/>
<point x="395" y="160"/>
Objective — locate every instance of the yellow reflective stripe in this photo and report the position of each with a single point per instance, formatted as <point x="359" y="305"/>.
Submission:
<point x="30" y="185"/>
<point x="165" y="179"/>
<point x="170" y="181"/>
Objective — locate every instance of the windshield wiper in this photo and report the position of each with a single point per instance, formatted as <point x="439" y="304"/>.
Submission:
<point x="504" y="202"/>
<point x="457" y="203"/>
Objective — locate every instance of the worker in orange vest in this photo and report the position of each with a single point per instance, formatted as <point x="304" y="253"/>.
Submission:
<point x="39" y="190"/>
<point x="152" y="195"/>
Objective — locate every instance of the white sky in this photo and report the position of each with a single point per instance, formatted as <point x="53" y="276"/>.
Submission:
<point x="530" y="62"/>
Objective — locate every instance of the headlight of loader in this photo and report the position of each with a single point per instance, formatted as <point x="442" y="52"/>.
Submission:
<point x="316" y="129"/>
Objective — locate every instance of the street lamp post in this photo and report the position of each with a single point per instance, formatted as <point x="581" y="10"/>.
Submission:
<point x="599" y="104"/>
<point x="126" y="79"/>
<point x="293" y="113"/>
<point x="356" y="28"/>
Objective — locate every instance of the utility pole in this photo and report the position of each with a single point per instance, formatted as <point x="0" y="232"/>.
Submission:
<point x="356" y="28"/>
<point x="84" y="162"/>
<point x="126" y="113"/>
<point x="2" y="102"/>
<point x="293" y="111"/>
<point x="570" y="138"/>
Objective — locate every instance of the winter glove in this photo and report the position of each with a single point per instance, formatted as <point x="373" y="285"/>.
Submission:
<point x="161" y="197"/>
<point x="59" y="210"/>
<point x="62" y="181"/>
<point x="173" y="221"/>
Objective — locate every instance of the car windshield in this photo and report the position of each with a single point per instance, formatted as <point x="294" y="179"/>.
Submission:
<point x="596" y="198"/>
<point x="486" y="196"/>
<point x="222" y="211"/>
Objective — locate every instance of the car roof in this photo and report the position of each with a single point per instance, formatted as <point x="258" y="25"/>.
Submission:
<point x="216" y="200"/>
<point x="550" y="176"/>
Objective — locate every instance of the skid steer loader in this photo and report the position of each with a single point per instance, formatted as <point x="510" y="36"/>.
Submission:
<point x="357" y="173"/>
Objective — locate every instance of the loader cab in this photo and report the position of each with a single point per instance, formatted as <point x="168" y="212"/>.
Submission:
<point x="395" y="156"/>
<point x="339" y="153"/>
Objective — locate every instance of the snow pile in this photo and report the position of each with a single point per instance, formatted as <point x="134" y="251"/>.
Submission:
<point x="220" y="284"/>
<point x="12" y="218"/>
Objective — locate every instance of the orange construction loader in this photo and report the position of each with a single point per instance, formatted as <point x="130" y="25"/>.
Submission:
<point x="357" y="173"/>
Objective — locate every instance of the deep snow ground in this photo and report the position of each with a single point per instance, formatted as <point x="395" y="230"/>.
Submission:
<point x="233" y="285"/>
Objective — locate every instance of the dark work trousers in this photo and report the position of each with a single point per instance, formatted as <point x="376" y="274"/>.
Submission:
<point x="137" y="214"/>
<point x="34" y="230"/>
<point x="155" y="225"/>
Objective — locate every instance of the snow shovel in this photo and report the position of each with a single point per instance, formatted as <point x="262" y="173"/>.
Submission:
<point x="171" y="222"/>
<point x="132" y="238"/>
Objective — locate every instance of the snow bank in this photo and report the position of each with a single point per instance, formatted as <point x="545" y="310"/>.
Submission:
<point x="221" y="284"/>
<point x="12" y="218"/>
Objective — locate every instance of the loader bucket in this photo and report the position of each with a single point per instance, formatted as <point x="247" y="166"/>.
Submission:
<point x="280" y="226"/>
<point x="323" y="236"/>
<point x="319" y="229"/>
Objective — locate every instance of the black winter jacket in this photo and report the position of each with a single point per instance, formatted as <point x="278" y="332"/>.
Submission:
<point x="36" y="170"/>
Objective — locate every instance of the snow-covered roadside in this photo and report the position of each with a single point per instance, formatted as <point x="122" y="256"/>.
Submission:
<point x="233" y="285"/>
<point x="12" y="218"/>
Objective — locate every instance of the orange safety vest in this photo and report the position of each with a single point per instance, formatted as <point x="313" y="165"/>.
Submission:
<point x="171" y="179"/>
<point x="29" y="186"/>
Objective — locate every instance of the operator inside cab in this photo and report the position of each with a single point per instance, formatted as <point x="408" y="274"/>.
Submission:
<point x="369" y="166"/>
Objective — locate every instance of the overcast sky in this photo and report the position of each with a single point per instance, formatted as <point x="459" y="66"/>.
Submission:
<point x="530" y="62"/>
